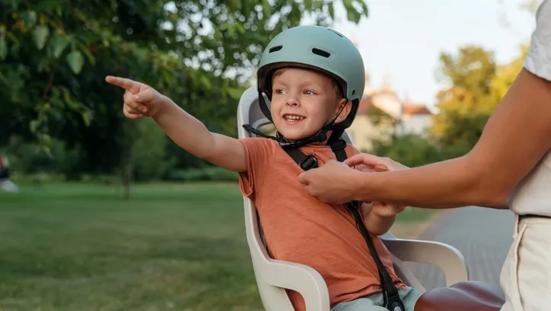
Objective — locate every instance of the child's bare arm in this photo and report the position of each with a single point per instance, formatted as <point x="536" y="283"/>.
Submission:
<point x="141" y="100"/>
<point x="379" y="216"/>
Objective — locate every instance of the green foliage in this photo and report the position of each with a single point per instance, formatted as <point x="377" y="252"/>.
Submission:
<point x="55" y="54"/>
<point x="147" y="154"/>
<point x="472" y="69"/>
<point x="411" y="150"/>
<point x="477" y="85"/>
<point x="29" y="159"/>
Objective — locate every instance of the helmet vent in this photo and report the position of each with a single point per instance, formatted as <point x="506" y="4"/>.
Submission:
<point x="275" y="48"/>
<point x="321" y="52"/>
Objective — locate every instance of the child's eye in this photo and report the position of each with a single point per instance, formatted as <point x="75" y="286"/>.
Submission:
<point x="279" y="91"/>
<point x="309" y="92"/>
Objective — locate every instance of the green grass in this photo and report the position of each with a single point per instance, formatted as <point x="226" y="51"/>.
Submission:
<point x="82" y="247"/>
<point x="75" y="246"/>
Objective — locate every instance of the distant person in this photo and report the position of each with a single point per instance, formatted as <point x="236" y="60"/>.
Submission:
<point x="5" y="183"/>
<point x="310" y="81"/>
<point x="510" y="166"/>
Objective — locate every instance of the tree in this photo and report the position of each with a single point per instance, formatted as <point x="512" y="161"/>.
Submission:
<point x="477" y="85"/>
<point x="54" y="55"/>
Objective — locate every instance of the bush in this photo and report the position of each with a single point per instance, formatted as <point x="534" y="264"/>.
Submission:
<point x="31" y="159"/>
<point x="147" y="151"/>
<point x="411" y="150"/>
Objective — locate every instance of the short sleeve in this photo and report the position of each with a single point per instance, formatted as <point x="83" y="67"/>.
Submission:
<point x="538" y="60"/>
<point x="256" y="156"/>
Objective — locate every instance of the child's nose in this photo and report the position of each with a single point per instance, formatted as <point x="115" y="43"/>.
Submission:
<point x="292" y="101"/>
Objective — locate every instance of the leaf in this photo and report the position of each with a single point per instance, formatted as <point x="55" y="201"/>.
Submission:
<point x="40" y="35"/>
<point x="58" y="44"/>
<point x="240" y="29"/>
<point x="308" y="5"/>
<point x="234" y="5"/>
<point x="3" y="47"/>
<point x="91" y="59"/>
<point x="75" y="61"/>
<point x="266" y="8"/>
<point x="234" y="92"/>
<point x="354" y="16"/>
<point x="34" y="126"/>
<point x="365" y="10"/>
<point x="29" y="17"/>
<point x="205" y="82"/>
<point x="87" y="116"/>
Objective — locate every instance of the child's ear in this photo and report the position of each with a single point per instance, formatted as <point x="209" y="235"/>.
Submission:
<point x="346" y="106"/>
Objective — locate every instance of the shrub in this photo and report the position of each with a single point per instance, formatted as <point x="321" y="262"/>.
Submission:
<point x="411" y="150"/>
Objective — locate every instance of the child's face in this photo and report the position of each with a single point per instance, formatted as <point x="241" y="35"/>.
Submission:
<point x="303" y="101"/>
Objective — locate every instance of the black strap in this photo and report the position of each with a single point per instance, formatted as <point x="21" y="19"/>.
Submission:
<point x="338" y="147"/>
<point x="320" y="136"/>
<point x="391" y="297"/>
<point x="390" y="292"/>
<point x="305" y="162"/>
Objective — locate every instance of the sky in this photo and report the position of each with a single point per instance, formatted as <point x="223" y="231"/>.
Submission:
<point x="401" y="40"/>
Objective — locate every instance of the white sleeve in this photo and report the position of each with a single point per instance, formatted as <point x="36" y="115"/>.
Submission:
<point x="538" y="60"/>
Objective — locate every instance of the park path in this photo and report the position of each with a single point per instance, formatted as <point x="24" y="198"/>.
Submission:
<point x="483" y="235"/>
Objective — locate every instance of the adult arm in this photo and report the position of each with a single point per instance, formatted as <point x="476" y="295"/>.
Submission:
<point x="514" y="140"/>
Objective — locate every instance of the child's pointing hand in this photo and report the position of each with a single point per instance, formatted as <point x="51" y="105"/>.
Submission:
<point x="140" y="100"/>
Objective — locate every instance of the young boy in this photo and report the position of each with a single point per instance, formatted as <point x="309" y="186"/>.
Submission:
<point x="310" y="81"/>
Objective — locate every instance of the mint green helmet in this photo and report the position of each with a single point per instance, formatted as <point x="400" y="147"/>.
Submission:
<point x="318" y="48"/>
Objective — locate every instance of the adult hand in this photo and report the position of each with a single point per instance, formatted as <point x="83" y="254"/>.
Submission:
<point x="369" y="162"/>
<point x="139" y="99"/>
<point x="331" y="182"/>
<point x="335" y="182"/>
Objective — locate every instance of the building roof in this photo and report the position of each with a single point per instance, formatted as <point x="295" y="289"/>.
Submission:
<point x="410" y="109"/>
<point x="386" y="100"/>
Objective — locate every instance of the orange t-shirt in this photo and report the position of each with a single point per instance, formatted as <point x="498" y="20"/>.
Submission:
<point x="300" y="228"/>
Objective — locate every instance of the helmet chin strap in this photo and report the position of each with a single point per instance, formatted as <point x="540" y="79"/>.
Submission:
<point x="320" y="136"/>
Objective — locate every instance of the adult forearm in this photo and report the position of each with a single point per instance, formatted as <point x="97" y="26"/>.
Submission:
<point x="514" y="140"/>
<point x="451" y="183"/>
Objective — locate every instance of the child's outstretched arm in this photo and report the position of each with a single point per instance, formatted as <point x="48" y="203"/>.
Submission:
<point x="141" y="100"/>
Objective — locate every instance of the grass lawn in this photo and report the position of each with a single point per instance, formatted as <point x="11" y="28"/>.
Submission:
<point x="73" y="246"/>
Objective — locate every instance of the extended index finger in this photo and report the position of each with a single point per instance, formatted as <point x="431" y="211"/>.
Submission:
<point x="127" y="84"/>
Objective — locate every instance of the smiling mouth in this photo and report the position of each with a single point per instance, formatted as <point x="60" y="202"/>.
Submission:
<point x="293" y="117"/>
